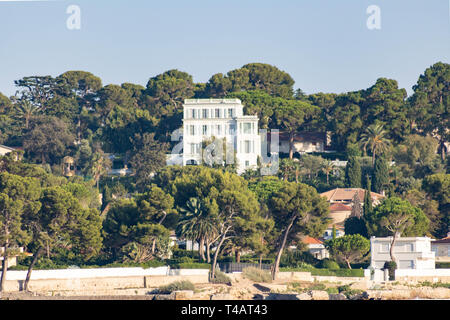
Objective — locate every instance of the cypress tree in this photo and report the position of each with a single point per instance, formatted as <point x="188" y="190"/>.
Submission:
<point x="353" y="173"/>
<point x="380" y="174"/>
<point x="367" y="198"/>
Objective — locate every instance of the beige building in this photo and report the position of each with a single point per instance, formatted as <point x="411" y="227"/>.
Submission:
<point x="12" y="261"/>
<point x="346" y="195"/>
<point x="316" y="247"/>
<point x="339" y="212"/>
<point x="304" y="142"/>
<point x="441" y="249"/>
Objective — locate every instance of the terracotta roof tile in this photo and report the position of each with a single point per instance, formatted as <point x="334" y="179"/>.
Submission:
<point x="311" y="240"/>
<point x="443" y="240"/>
<point x="347" y="194"/>
<point x="340" y="207"/>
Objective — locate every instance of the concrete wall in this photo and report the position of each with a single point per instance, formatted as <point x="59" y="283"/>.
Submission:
<point x="434" y="275"/>
<point x="87" y="273"/>
<point x="410" y="275"/>
<point x="102" y="278"/>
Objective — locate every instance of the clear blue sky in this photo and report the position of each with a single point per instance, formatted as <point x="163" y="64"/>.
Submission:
<point x="323" y="44"/>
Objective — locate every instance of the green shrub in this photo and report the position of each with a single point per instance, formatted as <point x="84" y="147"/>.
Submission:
<point x="145" y="265"/>
<point x="186" y="260"/>
<point x="328" y="264"/>
<point x="220" y="278"/>
<point x="332" y="290"/>
<point x="318" y="286"/>
<point x="328" y="272"/>
<point x="442" y="265"/>
<point x="295" y="258"/>
<point x="180" y="253"/>
<point x="348" y="291"/>
<point x="47" y="264"/>
<point x="434" y="285"/>
<point x="257" y="275"/>
<point x="176" y="286"/>
<point x="191" y="265"/>
<point x="391" y="266"/>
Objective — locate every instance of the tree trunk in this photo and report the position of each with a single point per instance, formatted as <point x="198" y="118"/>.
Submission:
<point x="443" y="147"/>
<point x="373" y="158"/>
<point x="153" y="246"/>
<point x="216" y="255"/>
<point x="201" y="249"/>
<point x="391" y="249"/>
<point x="238" y="256"/>
<point x="260" y="261"/>
<point x="291" y="145"/>
<point x="30" y="268"/>
<point x="4" y="268"/>
<point x="348" y="263"/>
<point x="208" y="253"/>
<point x="280" y="251"/>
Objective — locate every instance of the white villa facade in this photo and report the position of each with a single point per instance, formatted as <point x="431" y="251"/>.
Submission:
<point x="410" y="253"/>
<point x="205" y="119"/>
<point x="4" y="150"/>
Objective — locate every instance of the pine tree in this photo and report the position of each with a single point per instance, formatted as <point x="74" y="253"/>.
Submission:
<point x="353" y="173"/>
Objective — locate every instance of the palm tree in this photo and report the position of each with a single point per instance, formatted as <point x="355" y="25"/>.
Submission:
<point x="100" y="166"/>
<point x="197" y="224"/>
<point x="374" y="139"/>
<point x="327" y="168"/>
<point x="26" y="110"/>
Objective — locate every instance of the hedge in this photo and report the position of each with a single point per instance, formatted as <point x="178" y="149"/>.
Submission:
<point x="52" y="266"/>
<point x="328" y="272"/>
<point x="442" y="265"/>
<point x="191" y="265"/>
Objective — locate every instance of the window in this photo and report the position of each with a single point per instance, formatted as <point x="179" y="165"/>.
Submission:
<point x="195" y="148"/>
<point x="194" y="113"/>
<point x="231" y="129"/>
<point x="247" y="146"/>
<point x="230" y="113"/>
<point x="205" y="113"/>
<point x="218" y="129"/>
<point x="217" y="113"/>
<point x="384" y="247"/>
<point x="205" y="130"/>
<point x="406" y="264"/>
<point x="248" y="128"/>
<point x="192" y="130"/>
<point x="247" y="163"/>
<point x="435" y="250"/>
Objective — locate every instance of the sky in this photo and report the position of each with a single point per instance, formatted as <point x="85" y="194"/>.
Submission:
<point x="325" y="45"/>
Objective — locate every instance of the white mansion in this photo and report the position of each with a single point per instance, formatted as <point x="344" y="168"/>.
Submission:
<point x="209" y="119"/>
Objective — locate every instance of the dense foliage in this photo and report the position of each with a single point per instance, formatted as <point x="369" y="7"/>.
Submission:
<point x="394" y="144"/>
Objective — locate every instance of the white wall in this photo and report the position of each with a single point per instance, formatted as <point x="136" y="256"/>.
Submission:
<point x="87" y="273"/>
<point x="422" y="273"/>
